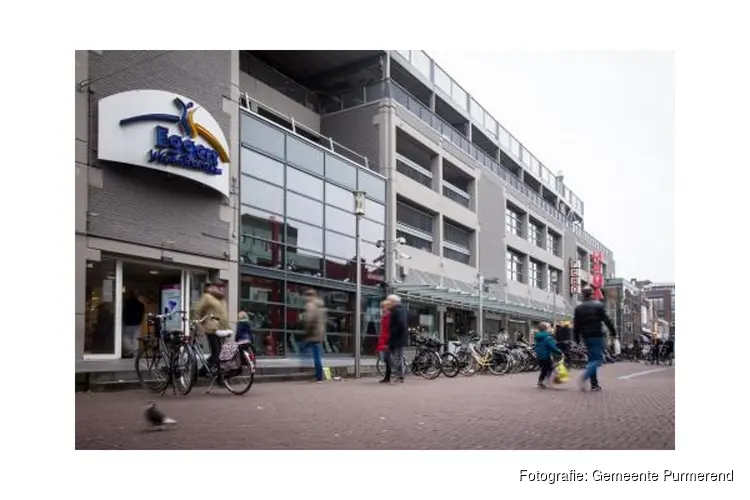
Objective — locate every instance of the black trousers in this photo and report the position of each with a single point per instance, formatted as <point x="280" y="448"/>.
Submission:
<point x="388" y="360"/>
<point x="214" y="344"/>
<point x="546" y="368"/>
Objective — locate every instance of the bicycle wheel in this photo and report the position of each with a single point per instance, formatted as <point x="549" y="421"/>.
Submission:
<point x="449" y="365"/>
<point x="184" y="370"/>
<point x="465" y="363"/>
<point x="239" y="380"/>
<point x="431" y="365"/>
<point x="379" y="366"/>
<point x="152" y="370"/>
<point x="498" y="364"/>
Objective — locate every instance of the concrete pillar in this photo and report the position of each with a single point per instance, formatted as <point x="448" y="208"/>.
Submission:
<point x="387" y="152"/>
<point x="436" y="167"/>
<point x="441" y="323"/>
<point x="432" y="102"/>
<point x="437" y="235"/>
<point x="82" y="99"/>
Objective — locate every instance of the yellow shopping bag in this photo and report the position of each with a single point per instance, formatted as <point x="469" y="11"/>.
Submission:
<point x="561" y="373"/>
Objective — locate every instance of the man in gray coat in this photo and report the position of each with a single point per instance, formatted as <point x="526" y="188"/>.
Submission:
<point x="316" y="320"/>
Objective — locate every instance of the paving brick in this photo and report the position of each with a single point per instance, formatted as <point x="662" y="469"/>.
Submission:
<point x="482" y="412"/>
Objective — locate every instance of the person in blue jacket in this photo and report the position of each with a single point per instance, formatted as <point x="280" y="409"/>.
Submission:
<point x="243" y="331"/>
<point x="545" y="345"/>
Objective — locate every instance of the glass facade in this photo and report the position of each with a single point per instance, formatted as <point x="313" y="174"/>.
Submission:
<point x="297" y="219"/>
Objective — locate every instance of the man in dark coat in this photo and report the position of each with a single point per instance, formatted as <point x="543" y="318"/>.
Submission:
<point x="587" y="326"/>
<point x="399" y="338"/>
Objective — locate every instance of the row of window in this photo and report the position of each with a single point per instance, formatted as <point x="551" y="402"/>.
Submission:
<point x="515" y="265"/>
<point x="294" y="151"/>
<point x="536" y="232"/>
<point x="416" y="227"/>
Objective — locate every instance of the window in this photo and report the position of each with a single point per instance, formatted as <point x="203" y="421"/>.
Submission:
<point x="304" y="155"/>
<point x="514" y="221"/>
<point x="304" y="209"/>
<point x="536" y="275"/>
<point x="373" y="186"/>
<point x="553" y="243"/>
<point x="340" y="221"/>
<point x="261" y="224"/>
<point x="413" y="217"/>
<point x="371" y="231"/>
<point x="584" y="258"/>
<point x="375" y="211"/>
<point x="257" y="289"/>
<point x="554" y="280"/>
<point x="261" y="166"/>
<point x="296" y="180"/>
<point x="415" y="241"/>
<point x="258" y="252"/>
<point x="514" y="265"/>
<point x="536" y="233"/>
<point x="261" y="194"/>
<point x="301" y="235"/>
<point x="457" y="235"/>
<point x="450" y="253"/>
<point x="340" y="198"/>
<point x="99" y="328"/>
<point x="304" y="262"/>
<point x="340" y="246"/>
<point x="262" y="136"/>
<point x="341" y="172"/>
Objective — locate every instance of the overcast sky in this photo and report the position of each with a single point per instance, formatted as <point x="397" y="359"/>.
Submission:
<point x="606" y="119"/>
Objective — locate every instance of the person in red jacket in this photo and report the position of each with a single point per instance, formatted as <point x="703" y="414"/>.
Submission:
<point x="385" y="335"/>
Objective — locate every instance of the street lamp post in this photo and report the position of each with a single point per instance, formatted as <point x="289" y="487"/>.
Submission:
<point x="554" y="300"/>
<point x="359" y="211"/>
<point x="480" y="320"/>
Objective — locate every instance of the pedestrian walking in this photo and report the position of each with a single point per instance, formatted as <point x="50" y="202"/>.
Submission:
<point x="587" y="326"/>
<point x="315" y="322"/>
<point x="385" y="335"/>
<point x="399" y="337"/>
<point x="545" y="345"/>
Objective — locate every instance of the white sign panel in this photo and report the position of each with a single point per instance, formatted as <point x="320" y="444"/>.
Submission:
<point x="166" y="132"/>
<point x="575" y="277"/>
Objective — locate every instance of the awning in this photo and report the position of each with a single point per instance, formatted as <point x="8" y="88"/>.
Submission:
<point x="454" y="297"/>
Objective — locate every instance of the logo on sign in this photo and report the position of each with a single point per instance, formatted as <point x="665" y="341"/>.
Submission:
<point x="575" y="276"/>
<point x="182" y="151"/>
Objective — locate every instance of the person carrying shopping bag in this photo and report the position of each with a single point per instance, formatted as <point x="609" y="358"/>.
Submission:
<point x="385" y="335"/>
<point x="316" y="320"/>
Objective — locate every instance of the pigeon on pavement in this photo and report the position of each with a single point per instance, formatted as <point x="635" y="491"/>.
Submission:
<point x="157" y="418"/>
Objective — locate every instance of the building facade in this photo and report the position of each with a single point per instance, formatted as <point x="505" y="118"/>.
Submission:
<point x="260" y="195"/>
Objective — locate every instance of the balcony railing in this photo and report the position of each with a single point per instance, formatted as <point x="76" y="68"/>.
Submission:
<point x="455" y="194"/>
<point x="432" y="72"/>
<point x="413" y="171"/>
<point x="389" y="89"/>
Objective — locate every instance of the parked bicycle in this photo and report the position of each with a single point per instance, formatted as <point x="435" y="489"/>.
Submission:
<point x="237" y="362"/>
<point x="164" y="357"/>
<point x="428" y="361"/>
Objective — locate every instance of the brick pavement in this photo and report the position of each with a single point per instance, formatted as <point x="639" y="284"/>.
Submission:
<point x="482" y="412"/>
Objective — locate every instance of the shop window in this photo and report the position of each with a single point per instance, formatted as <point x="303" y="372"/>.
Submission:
<point x="255" y="289"/>
<point x="340" y="245"/>
<point x="339" y="269"/>
<point x="99" y="328"/>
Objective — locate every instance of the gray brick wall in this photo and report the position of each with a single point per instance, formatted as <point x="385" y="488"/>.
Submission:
<point x="355" y="129"/>
<point x="151" y="208"/>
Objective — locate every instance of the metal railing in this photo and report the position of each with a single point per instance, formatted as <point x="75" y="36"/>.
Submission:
<point x="278" y="81"/>
<point x="413" y="171"/>
<point x="455" y="194"/>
